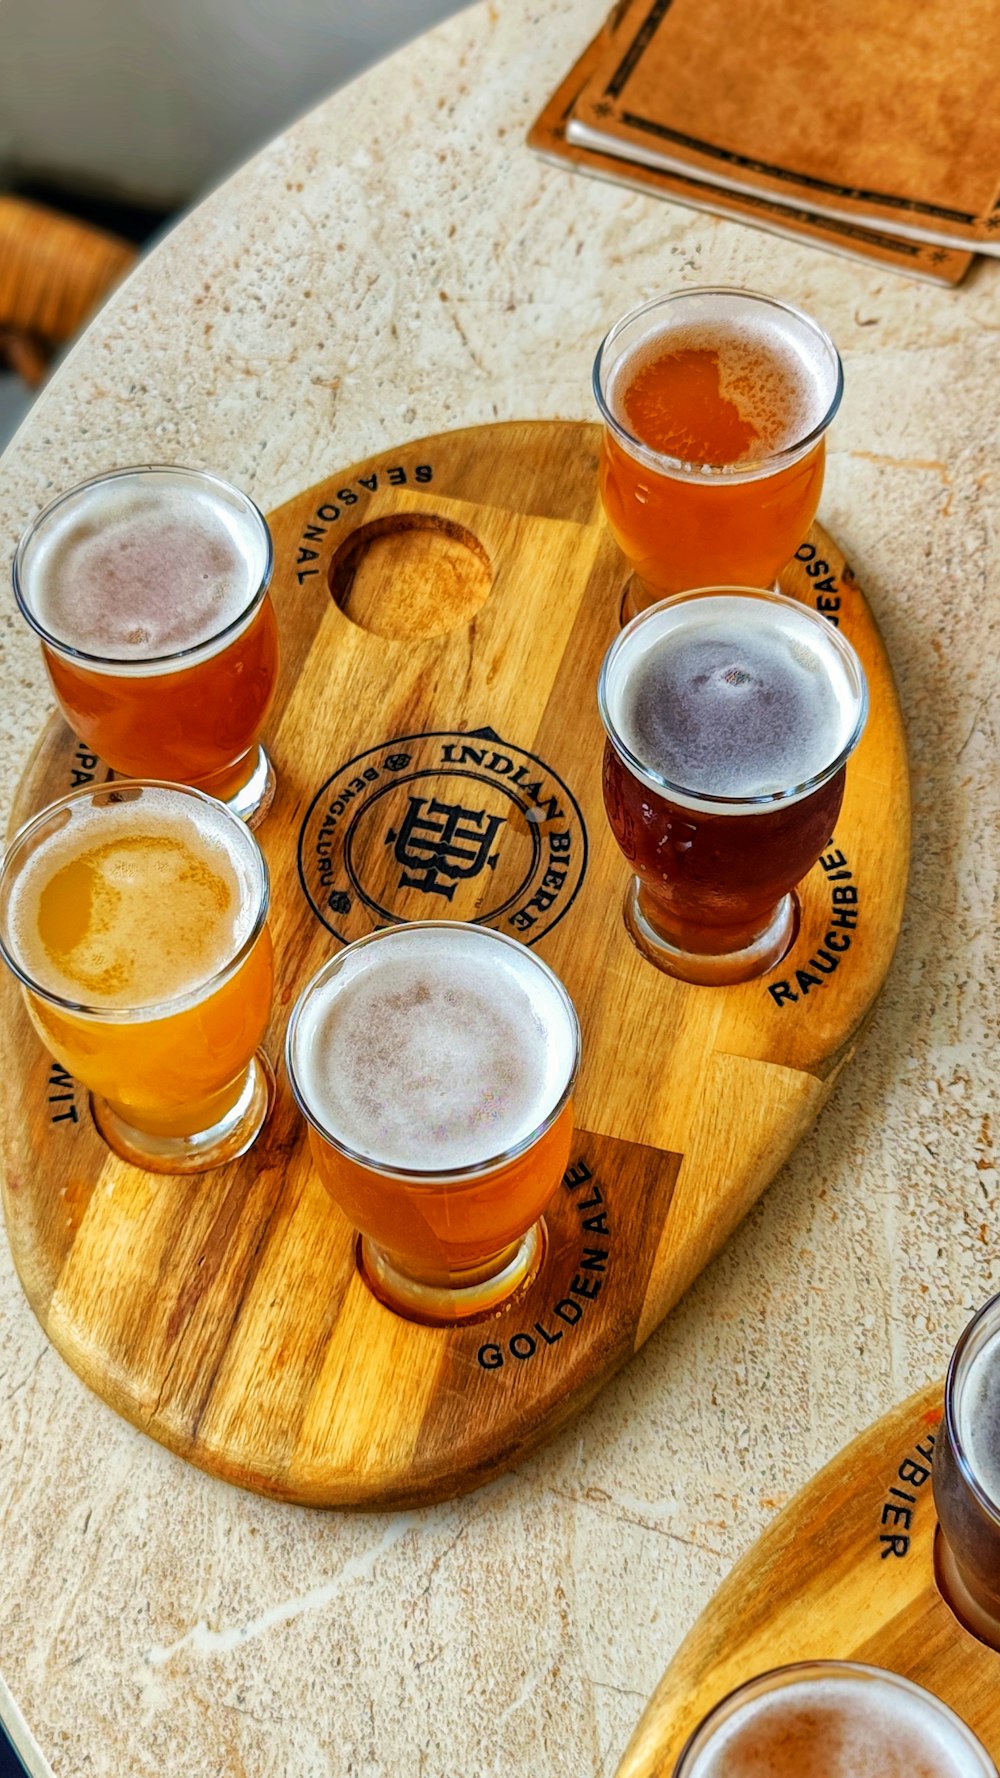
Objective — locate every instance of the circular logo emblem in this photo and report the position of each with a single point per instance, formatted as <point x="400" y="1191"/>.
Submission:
<point x="443" y="826"/>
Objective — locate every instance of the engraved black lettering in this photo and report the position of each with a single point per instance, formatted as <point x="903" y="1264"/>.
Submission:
<point x="596" y="1225"/>
<point x="490" y="1357"/>
<point x="576" y="1175"/>
<point x="543" y="1334"/>
<point x="781" y="992"/>
<point x="588" y="1287"/>
<point x="806" y="980"/>
<point x="594" y="1259"/>
<point x="523" y="1346"/>
<point x="568" y="1311"/>
<point x="895" y="1543"/>
<point x="397" y="477"/>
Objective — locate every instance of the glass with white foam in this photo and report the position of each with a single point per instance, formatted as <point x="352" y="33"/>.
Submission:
<point x="148" y="588"/>
<point x="730" y="715"/>
<point x="967" y="1478"/>
<point x="833" y="1719"/>
<point x="435" y="1064"/>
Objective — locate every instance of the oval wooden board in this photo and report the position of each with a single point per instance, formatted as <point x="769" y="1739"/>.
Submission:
<point x="845" y="1573"/>
<point x="450" y="767"/>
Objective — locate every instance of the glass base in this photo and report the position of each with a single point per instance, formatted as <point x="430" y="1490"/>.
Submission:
<point x="254" y="797"/>
<point x="971" y="1615"/>
<point x="441" y="1305"/>
<point x="714" y="969"/>
<point x="229" y="1138"/>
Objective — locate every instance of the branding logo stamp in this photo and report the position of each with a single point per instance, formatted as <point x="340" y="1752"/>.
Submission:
<point x="443" y="826"/>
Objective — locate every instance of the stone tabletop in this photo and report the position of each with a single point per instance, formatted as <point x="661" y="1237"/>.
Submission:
<point x="395" y="264"/>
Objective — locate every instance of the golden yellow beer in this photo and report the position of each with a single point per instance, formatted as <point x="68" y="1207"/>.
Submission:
<point x="134" y="916"/>
<point x="435" y="1063"/>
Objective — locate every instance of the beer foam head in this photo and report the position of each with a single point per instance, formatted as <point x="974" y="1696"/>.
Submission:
<point x="133" y="904"/>
<point x="852" y="1724"/>
<point x="978" y="1416"/>
<point x="775" y="366"/>
<point x="434" y="1048"/>
<point x="143" y="564"/>
<point x="731" y="695"/>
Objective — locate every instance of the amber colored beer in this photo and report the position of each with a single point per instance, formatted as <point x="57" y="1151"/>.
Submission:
<point x="833" y="1719"/>
<point x="730" y="714"/>
<point x="435" y="1063"/>
<point x="148" y="589"/>
<point x="134" y="916"/>
<point x="967" y="1479"/>
<point x="715" y="404"/>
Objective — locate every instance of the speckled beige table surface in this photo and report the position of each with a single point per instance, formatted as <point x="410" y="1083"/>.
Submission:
<point x="395" y="264"/>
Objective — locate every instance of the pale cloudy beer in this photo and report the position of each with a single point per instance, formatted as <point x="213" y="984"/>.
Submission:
<point x="134" y="916"/>
<point x="730" y="714"/>
<point x="435" y="1064"/>
<point x="149" y="590"/>
<point x="715" y="404"/>
<point x="833" y="1719"/>
<point x="967" y="1478"/>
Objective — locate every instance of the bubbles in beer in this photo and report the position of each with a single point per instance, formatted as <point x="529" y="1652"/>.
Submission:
<point x="854" y="1726"/>
<point x="140" y="566"/>
<point x="725" y="391"/>
<point x="133" y="904"/>
<point x="435" y="1049"/>
<point x="724" y="696"/>
<point x="979" y="1418"/>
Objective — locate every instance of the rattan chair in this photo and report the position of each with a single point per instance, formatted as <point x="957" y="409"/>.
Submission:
<point x="54" y="272"/>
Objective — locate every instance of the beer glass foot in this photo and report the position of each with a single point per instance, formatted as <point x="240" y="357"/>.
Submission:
<point x="225" y="1141"/>
<point x="438" y="1305"/>
<point x="972" y="1616"/>
<point x="254" y="798"/>
<point x="710" y="969"/>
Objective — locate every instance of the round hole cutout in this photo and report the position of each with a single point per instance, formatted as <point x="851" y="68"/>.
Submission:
<point x="411" y="576"/>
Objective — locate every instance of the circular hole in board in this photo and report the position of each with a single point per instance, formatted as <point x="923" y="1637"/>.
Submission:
<point x="411" y="576"/>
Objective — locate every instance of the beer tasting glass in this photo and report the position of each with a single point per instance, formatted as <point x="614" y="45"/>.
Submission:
<point x="149" y="590"/>
<point x="715" y="404"/>
<point x="967" y="1479"/>
<point x="134" y="917"/>
<point x="833" y="1719"/>
<point x="730" y="714"/>
<point x="435" y="1063"/>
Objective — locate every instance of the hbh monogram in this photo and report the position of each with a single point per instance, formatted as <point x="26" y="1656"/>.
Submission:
<point x="438" y="840"/>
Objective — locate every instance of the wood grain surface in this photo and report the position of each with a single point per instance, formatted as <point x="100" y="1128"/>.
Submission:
<point x="444" y="609"/>
<point x="846" y="1572"/>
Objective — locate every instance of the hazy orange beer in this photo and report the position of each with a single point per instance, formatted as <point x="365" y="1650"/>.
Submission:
<point x="715" y="403"/>
<point x="134" y="916"/>
<point x="435" y="1063"/>
<point x="833" y="1719"/>
<point x="149" y="590"/>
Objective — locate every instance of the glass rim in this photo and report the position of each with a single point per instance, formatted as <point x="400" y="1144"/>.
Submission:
<point x="142" y="666"/>
<point x="711" y="801"/>
<point x="146" y="1010"/>
<point x="989" y="1309"/>
<point x="713" y="474"/>
<point x="776" y="1677"/>
<point x="430" y="1175"/>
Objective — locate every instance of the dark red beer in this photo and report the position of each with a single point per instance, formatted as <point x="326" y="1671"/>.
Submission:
<point x="730" y="714"/>
<point x="967" y="1478"/>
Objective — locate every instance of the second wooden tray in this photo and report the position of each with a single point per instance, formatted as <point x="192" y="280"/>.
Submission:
<point x="444" y="609"/>
<point x="845" y="1573"/>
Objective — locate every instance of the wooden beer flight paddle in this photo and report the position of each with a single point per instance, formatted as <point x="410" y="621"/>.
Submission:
<point x="444" y="608"/>
<point x="846" y="1572"/>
